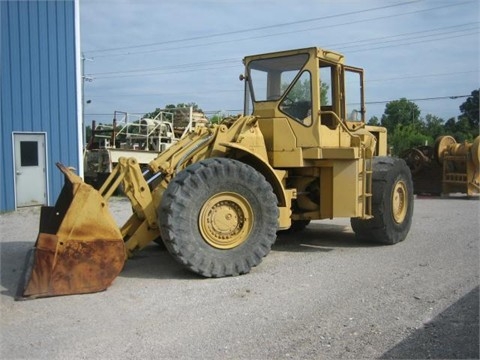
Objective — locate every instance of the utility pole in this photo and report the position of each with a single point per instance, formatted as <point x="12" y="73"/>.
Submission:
<point x="89" y="79"/>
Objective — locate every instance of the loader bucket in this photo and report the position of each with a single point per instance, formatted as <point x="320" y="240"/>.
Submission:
<point x="79" y="248"/>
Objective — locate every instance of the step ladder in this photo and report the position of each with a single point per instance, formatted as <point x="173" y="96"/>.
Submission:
<point x="366" y="175"/>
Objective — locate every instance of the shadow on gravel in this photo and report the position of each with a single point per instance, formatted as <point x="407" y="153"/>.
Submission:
<point x="453" y="334"/>
<point x="154" y="262"/>
<point x="12" y="261"/>
<point x="456" y="196"/>
<point x="319" y="237"/>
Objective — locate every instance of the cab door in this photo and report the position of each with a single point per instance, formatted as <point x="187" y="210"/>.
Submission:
<point x="353" y="98"/>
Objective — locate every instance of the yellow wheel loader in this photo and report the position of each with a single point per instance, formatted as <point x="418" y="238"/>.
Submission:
<point x="217" y="197"/>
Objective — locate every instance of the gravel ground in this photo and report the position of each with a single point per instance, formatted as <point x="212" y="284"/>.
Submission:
<point x="319" y="294"/>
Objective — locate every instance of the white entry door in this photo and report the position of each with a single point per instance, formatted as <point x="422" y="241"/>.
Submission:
<point x="30" y="169"/>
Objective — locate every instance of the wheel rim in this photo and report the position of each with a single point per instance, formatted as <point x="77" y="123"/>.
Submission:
<point x="226" y="220"/>
<point x="399" y="202"/>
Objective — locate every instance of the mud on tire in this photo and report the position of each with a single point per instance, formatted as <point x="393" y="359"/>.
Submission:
<point x="219" y="217"/>
<point x="392" y="203"/>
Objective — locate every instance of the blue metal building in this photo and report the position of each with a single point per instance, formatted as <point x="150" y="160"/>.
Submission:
<point x="40" y="99"/>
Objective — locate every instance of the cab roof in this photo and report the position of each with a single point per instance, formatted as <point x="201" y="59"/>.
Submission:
<point x="323" y="54"/>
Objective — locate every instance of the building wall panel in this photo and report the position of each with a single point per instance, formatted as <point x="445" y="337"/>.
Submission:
<point x="38" y="86"/>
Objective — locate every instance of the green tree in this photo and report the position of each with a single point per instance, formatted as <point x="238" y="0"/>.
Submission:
<point x="470" y="111"/>
<point x="400" y="112"/>
<point x="152" y="114"/>
<point x="184" y="105"/>
<point x="407" y="136"/>
<point x="181" y="112"/>
<point x="374" y="121"/>
<point x="180" y="106"/>
<point x="88" y="133"/>
<point x="460" y="129"/>
<point x="215" y="119"/>
<point x="324" y="93"/>
<point x="218" y="117"/>
<point x="301" y="90"/>
<point x="433" y="126"/>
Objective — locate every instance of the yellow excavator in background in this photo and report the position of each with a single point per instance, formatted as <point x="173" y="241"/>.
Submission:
<point x="218" y="196"/>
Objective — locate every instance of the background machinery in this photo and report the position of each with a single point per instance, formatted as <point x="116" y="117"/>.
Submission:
<point x="447" y="167"/>
<point x="218" y="196"/>
<point x="133" y="136"/>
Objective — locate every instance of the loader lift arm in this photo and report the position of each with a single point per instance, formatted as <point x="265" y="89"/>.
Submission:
<point x="145" y="189"/>
<point x="142" y="226"/>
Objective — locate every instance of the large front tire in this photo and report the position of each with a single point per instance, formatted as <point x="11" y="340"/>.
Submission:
<point x="219" y="217"/>
<point x="392" y="203"/>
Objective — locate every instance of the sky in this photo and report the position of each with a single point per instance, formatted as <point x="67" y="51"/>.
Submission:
<point x="144" y="54"/>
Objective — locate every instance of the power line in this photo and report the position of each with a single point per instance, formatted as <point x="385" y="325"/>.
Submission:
<point x="422" y="76"/>
<point x="190" y="67"/>
<point x="181" y="66"/>
<point x="285" y="33"/>
<point x="356" y="43"/>
<point x="404" y="34"/>
<point x="166" y="73"/>
<point x="367" y="81"/>
<point x="408" y="37"/>
<point x="414" y="42"/>
<point x="451" y="97"/>
<point x="252" y="29"/>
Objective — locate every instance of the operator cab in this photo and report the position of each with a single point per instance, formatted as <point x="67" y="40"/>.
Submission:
<point x="301" y="84"/>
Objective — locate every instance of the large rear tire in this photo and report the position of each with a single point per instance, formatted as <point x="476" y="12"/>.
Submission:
<point x="392" y="203"/>
<point x="219" y="217"/>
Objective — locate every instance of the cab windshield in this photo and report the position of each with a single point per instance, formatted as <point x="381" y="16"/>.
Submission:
<point x="270" y="78"/>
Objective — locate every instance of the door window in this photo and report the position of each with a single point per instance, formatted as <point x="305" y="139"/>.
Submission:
<point x="297" y="102"/>
<point x="354" y="107"/>
<point x="28" y="153"/>
<point x="326" y="86"/>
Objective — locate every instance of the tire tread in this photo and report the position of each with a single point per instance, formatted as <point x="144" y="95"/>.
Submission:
<point x="186" y="248"/>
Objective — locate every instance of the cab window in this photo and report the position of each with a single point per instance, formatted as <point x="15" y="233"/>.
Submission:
<point x="327" y="88"/>
<point x="354" y="96"/>
<point x="270" y="78"/>
<point x="297" y="102"/>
